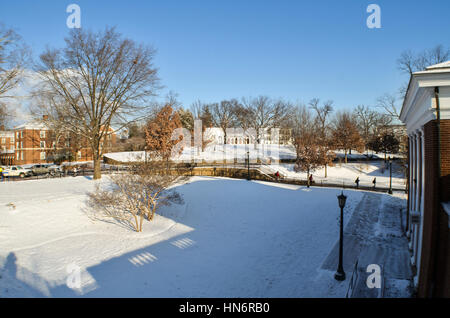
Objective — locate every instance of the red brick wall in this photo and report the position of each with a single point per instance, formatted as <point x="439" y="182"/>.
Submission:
<point x="445" y="160"/>
<point x="432" y="253"/>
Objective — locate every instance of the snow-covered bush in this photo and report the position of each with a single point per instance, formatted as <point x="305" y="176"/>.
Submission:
<point x="134" y="196"/>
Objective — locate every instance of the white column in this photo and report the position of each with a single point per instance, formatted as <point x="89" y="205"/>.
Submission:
<point x="410" y="193"/>
<point x="418" y="190"/>
<point x="414" y="190"/>
<point x="422" y="202"/>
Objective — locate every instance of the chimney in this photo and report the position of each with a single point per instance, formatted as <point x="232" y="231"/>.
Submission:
<point x="45" y="117"/>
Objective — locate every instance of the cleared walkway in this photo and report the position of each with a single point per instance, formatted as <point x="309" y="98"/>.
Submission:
<point x="374" y="235"/>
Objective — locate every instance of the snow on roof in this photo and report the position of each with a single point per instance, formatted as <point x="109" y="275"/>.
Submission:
<point x="440" y="65"/>
<point x="6" y="133"/>
<point x="32" y="125"/>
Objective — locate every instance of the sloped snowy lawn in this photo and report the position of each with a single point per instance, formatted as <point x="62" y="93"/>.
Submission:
<point x="231" y="238"/>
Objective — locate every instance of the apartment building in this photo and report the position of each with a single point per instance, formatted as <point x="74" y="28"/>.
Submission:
<point x="33" y="142"/>
<point x="7" y="147"/>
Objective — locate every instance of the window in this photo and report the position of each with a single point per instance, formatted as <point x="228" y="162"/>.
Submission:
<point x="21" y="134"/>
<point x="17" y="135"/>
<point x="3" y="140"/>
<point x="17" y="155"/>
<point x="42" y="144"/>
<point x="42" y="155"/>
<point x="21" y="144"/>
<point x="11" y="141"/>
<point x="12" y="148"/>
<point x="79" y="154"/>
<point x="17" y="145"/>
<point x="42" y="134"/>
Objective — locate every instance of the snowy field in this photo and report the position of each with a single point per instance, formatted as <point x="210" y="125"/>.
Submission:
<point x="231" y="238"/>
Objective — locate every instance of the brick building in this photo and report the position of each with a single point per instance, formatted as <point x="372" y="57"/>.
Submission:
<point x="7" y="147"/>
<point x="33" y="142"/>
<point x="426" y="113"/>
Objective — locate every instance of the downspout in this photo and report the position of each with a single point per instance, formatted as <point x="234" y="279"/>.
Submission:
<point x="438" y="124"/>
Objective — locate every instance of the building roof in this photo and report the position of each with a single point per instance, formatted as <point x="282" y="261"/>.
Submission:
<point x="32" y="125"/>
<point x="418" y="105"/>
<point x="438" y="66"/>
<point x="6" y="133"/>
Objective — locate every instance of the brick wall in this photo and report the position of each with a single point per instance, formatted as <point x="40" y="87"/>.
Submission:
<point x="432" y="253"/>
<point x="445" y="160"/>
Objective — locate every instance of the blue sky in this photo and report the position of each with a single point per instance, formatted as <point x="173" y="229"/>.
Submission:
<point x="212" y="50"/>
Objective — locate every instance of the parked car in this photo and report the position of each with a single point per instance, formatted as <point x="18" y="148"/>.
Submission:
<point x="55" y="170"/>
<point x="16" y="171"/>
<point x="40" y="169"/>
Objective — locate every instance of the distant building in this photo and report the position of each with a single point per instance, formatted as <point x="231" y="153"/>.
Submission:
<point x="239" y="137"/>
<point x="7" y="147"/>
<point x="426" y="113"/>
<point x="34" y="142"/>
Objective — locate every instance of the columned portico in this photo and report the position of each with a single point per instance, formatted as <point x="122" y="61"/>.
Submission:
<point x="426" y="113"/>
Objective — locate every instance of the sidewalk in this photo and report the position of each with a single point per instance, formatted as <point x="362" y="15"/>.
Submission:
<point x="374" y="235"/>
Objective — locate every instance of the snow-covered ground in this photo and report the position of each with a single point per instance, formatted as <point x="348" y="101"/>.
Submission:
<point x="231" y="238"/>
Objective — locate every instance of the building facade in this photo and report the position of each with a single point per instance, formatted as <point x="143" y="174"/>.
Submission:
<point x="34" y="142"/>
<point x="426" y="113"/>
<point x="7" y="147"/>
<point x="237" y="136"/>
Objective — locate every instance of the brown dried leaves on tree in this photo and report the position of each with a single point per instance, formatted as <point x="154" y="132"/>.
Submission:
<point x="158" y="133"/>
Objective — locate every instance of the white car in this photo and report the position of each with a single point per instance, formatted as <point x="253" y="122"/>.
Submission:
<point x="16" y="171"/>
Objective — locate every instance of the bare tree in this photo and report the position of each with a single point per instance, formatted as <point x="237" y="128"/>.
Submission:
<point x="262" y="113"/>
<point x="325" y="143"/>
<point x="366" y="120"/>
<point x="14" y="56"/>
<point x="306" y="141"/>
<point x="388" y="102"/>
<point x="135" y="196"/>
<point x="408" y="62"/>
<point x="98" y="80"/>
<point x="224" y="115"/>
<point x="346" y="134"/>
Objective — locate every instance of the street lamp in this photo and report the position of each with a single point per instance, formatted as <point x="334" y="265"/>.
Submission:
<point x="340" y="274"/>
<point x="390" y="176"/>
<point x="248" y="165"/>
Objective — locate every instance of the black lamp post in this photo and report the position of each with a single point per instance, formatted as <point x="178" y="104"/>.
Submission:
<point x="248" y="165"/>
<point x="390" y="176"/>
<point x="340" y="274"/>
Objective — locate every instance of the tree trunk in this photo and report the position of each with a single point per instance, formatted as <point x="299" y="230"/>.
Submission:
<point x="345" y="156"/>
<point x="307" y="176"/>
<point x="97" y="168"/>
<point x="325" y="170"/>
